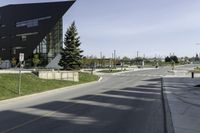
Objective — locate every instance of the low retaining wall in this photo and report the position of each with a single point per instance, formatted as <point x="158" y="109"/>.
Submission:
<point x="59" y="75"/>
<point x="12" y="71"/>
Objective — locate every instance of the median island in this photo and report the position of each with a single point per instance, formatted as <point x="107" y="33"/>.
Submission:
<point x="32" y="84"/>
<point x="111" y="71"/>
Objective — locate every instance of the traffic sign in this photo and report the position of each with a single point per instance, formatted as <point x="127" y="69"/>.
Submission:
<point x="21" y="57"/>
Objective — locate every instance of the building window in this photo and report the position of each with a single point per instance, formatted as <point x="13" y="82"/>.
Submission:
<point x="24" y="38"/>
<point x="2" y="37"/>
<point x="31" y="23"/>
<point x="14" y="51"/>
<point x="2" y="25"/>
<point x="3" y="49"/>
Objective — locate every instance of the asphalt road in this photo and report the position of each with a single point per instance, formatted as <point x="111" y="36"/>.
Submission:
<point x="121" y="103"/>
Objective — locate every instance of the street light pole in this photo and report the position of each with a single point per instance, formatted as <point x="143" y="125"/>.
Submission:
<point x="101" y="59"/>
<point x="114" y="58"/>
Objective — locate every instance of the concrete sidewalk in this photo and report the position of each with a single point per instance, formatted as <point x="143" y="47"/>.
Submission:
<point x="184" y="103"/>
<point x="127" y="71"/>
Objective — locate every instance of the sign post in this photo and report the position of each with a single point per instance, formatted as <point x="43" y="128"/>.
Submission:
<point x="21" y="59"/>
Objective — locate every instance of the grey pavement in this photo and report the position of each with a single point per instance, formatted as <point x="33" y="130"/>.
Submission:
<point x="184" y="103"/>
<point x="125" y="103"/>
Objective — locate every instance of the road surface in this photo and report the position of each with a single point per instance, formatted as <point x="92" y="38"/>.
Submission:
<point x="121" y="103"/>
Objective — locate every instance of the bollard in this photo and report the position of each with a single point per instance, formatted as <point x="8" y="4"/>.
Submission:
<point x="192" y="74"/>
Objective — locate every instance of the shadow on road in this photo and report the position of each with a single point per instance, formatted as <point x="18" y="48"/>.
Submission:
<point x="127" y="110"/>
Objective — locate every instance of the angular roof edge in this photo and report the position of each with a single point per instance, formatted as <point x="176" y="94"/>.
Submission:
<point x="67" y="1"/>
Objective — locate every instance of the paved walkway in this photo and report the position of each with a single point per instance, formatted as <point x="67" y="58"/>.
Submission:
<point x="184" y="103"/>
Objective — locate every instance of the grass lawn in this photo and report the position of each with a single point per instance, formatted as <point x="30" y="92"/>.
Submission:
<point x="113" y="71"/>
<point x="32" y="84"/>
<point x="197" y="68"/>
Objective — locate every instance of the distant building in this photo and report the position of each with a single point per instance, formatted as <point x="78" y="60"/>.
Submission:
<point x="32" y="28"/>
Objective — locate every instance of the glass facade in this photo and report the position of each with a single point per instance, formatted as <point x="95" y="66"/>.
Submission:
<point x="51" y="44"/>
<point x="32" y="22"/>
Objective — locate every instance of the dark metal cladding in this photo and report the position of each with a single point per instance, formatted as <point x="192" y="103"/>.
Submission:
<point x="24" y="26"/>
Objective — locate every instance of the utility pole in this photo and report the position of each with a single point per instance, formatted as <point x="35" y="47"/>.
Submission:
<point x="101" y="60"/>
<point x="114" y="58"/>
<point x="111" y="60"/>
<point x="137" y="62"/>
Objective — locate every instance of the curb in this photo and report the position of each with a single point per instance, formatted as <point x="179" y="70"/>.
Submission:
<point x="122" y="72"/>
<point x="132" y="70"/>
<point x="168" y="123"/>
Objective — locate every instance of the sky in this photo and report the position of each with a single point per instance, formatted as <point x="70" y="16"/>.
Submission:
<point x="152" y="27"/>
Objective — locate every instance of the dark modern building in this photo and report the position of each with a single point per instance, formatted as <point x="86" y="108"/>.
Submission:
<point x="32" y="28"/>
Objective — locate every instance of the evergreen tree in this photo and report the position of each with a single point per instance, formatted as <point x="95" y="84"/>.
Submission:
<point x="167" y="59"/>
<point x="174" y="58"/>
<point x="71" y="58"/>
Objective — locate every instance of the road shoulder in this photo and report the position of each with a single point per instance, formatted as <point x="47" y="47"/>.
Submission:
<point x="183" y="100"/>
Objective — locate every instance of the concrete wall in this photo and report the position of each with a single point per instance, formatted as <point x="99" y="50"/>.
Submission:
<point x="59" y="75"/>
<point x="14" y="71"/>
